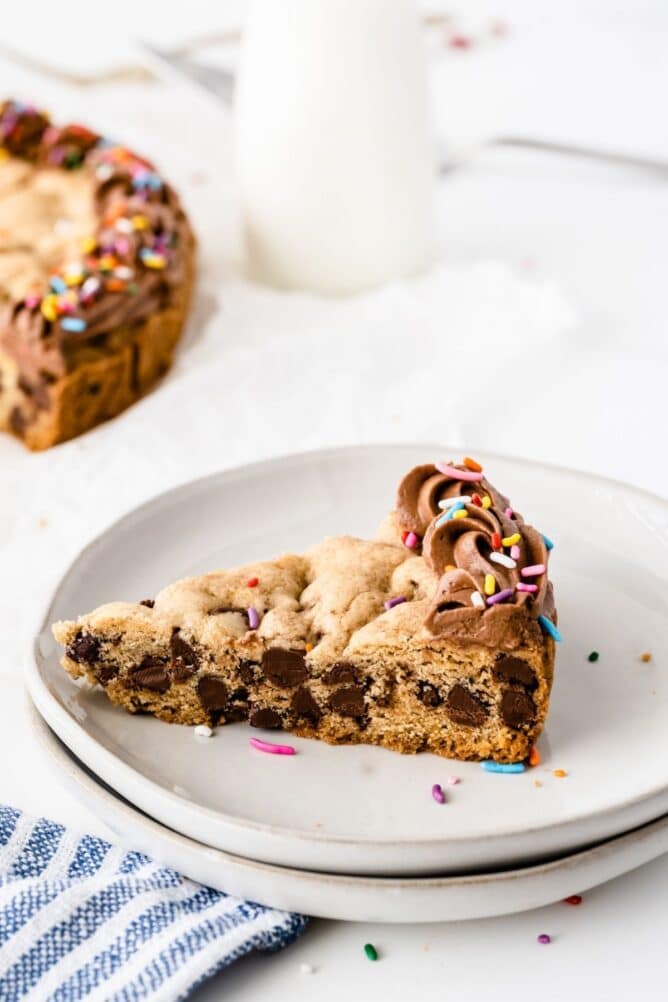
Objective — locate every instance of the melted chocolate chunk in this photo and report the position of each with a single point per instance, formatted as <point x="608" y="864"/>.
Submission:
<point x="464" y="708"/>
<point x="150" y="674"/>
<point x="429" y="694"/>
<point x="247" y="671"/>
<point x="342" y="673"/>
<point x="185" y="661"/>
<point x="517" y="707"/>
<point x="349" y="702"/>
<point x="212" y="692"/>
<point x="105" y="673"/>
<point x="148" y="602"/>
<point x="239" y="695"/>
<point x="304" y="705"/>
<point x="284" y="668"/>
<point x="265" y="718"/>
<point x="84" y="649"/>
<point x="512" y="669"/>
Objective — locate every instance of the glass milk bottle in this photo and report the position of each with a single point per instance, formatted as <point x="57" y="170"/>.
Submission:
<point x="335" y="158"/>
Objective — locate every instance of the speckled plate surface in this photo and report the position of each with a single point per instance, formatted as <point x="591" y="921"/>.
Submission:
<point x="368" y="810"/>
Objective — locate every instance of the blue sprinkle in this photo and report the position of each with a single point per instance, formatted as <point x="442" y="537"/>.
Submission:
<point x="73" y="324"/>
<point x="550" y="628"/>
<point x="490" y="766"/>
<point x="548" y="542"/>
<point x="57" y="284"/>
<point x="449" y="513"/>
<point x="147" y="179"/>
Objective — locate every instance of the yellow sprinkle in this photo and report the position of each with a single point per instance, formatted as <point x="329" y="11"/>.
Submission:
<point x="490" y="584"/>
<point x="4" y="156"/>
<point x="139" y="222"/>
<point x="511" y="540"/>
<point x="88" y="244"/>
<point x="487" y="501"/>
<point x="450" y="567"/>
<point x="308" y="648"/>
<point x="48" y="307"/>
<point x="560" y="773"/>
<point x="646" y="657"/>
<point x="461" y="513"/>
<point x="153" y="262"/>
<point x="74" y="277"/>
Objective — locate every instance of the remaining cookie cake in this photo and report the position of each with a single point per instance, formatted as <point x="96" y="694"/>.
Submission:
<point x="439" y="636"/>
<point x="96" y="269"/>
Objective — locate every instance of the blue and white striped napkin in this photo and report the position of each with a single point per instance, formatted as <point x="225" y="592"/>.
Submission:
<point x="83" y="919"/>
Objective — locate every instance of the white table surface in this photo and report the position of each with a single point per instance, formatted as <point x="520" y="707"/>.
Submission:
<point x="594" y="400"/>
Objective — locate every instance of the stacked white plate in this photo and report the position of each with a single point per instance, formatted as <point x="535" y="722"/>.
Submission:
<point x="353" y="832"/>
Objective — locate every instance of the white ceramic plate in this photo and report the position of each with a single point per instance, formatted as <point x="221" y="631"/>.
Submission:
<point x="369" y="810"/>
<point x="362" y="899"/>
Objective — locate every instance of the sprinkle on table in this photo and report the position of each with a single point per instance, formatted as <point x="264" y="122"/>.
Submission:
<point x="437" y="793"/>
<point x="646" y="657"/>
<point x="451" y="471"/>
<point x="490" y="766"/>
<point x="593" y="656"/>
<point x="371" y="951"/>
<point x="573" y="899"/>
<point x="560" y="773"/>
<point x="270" y="748"/>
<point x="550" y="628"/>
<point x="544" y="939"/>
<point x="453" y="780"/>
<point x="391" y="602"/>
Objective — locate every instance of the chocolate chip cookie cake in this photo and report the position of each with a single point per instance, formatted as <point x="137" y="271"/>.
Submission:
<point x="96" y="270"/>
<point x="439" y="635"/>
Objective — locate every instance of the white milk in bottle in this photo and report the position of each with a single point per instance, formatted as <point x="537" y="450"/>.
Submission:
<point x="335" y="158"/>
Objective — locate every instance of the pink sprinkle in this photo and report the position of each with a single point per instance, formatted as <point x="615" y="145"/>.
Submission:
<point x="515" y="551"/>
<point x="411" y="541"/>
<point x="253" y="618"/>
<point x="533" y="571"/>
<point x="460" y="42"/>
<point x="270" y="748"/>
<point x="453" y="780"/>
<point x="437" y="793"/>
<point x="508" y="512"/>
<point x="500" y="596"/>
<point x="391" y="602"/>
<point x="30" y="302"/>
<point x="521" y="586"/>
<point x="455" y="474"/>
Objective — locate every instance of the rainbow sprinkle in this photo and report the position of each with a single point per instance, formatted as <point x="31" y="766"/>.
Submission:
<point x="490" y="584"/>
<point x="391" y="602"/>
<point x="253" y="618"/>
<point x="550" y="628"/>
<point x="490" y="766"/>
<point x="437" y="793"/>
<point x="270" y="748"/>
<point x="455" y="474"/>
<point x="533" y="571"/>
<point x="500" y="596"/>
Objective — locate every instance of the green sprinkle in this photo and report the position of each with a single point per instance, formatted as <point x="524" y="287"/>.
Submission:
<point x="593" y="656"/>
<point x="371" y="951"/>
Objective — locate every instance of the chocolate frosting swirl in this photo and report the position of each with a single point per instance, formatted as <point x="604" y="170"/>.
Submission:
<point x="460" y="551"/>
<point x="421" y="490"/>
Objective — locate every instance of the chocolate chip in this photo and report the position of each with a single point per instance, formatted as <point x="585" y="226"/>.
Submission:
<point x="517" y="707"/>
<point x="247" y="671"/>
<point x="150" y="674"/>
<point x="342" y="673"/>
<point x="429" y="694"/>
<point x="105" y="673"/>
<point x="239" y="695"/>
<point x="464" y="708"/>
<point x="228" y="608"/>
<point x="185" y="661"/>
<point x="18" y="422"/>
<point x="512" y="669"/>
<point x="284" y="668"/>
<point x="265" y="718"/>
<point x="304" y="705"/>
<point x="83" y="649"/>
<point x="212" y="692"/>
<point x="349" y="702"/>
<point x="148" y="602"/>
